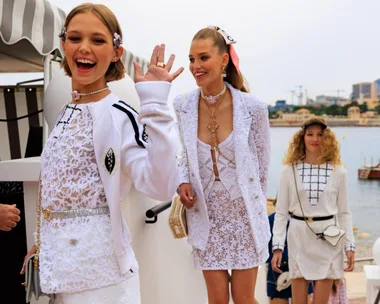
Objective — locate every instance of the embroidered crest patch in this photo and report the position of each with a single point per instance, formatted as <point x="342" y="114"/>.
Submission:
<point x="109" y="160"/>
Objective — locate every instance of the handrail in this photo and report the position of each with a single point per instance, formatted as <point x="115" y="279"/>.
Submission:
<point x="364" y="259"/>
<point x="156" y="210"/>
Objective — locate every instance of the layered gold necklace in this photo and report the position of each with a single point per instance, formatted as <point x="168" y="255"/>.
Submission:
<point x="213" y="126"/>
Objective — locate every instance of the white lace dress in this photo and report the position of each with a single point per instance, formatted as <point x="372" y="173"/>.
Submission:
<point x="77" y="259"/>
<point x="230" y="243"/>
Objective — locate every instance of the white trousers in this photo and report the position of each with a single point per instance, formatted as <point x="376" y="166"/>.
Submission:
<point x="125" y="292"/>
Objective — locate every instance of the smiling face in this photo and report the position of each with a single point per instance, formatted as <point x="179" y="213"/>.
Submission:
<point x="206" y="63"/>
<point x="313" y="139"/>
<point x="89" y="51"/>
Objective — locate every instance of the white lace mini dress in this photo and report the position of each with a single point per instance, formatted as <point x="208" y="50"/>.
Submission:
<point x="77" y="254"/>
<point x="230" y="243"/>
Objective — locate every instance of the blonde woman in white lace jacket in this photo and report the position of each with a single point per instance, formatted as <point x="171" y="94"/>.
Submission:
<point x="99" y="147"/>
<point x="321" y="183"/>
<point x="226" y="215"/>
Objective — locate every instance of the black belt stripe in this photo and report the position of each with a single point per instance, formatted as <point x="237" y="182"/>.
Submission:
<point x="32" y="106"/>
<point x="13" y="132"/>
<point x="134" y="124"/>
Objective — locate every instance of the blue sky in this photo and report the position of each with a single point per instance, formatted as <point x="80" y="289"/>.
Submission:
<point x="322" y="45"/>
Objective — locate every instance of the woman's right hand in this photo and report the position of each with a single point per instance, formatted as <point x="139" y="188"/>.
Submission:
<point x="157" y="69"/>
<point x="30" y="252"/>
<point x="276" y="260"/>
<point x="186" y="195"/>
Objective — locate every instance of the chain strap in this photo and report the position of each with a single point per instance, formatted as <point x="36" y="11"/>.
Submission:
<point x="38" y="229"/>
<point x="187" y="165"/>
<point x="299" y="200"/>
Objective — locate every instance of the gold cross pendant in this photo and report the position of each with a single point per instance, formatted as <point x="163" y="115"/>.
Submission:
<point x="213" y="125"/>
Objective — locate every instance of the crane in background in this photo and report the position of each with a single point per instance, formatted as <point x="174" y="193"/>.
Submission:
<point x="300" y="94"/>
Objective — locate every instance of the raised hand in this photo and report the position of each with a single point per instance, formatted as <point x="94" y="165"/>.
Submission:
<point x="157" y="70"/>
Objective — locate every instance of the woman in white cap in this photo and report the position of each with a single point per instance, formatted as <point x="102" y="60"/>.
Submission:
<point x="313" y="191"/>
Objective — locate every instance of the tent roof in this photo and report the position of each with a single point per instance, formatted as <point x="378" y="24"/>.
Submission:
<point x="28" y="31"/>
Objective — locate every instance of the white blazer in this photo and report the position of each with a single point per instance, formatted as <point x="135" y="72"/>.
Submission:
<point x="137" y="149"/>
<point x="252" y="150"/>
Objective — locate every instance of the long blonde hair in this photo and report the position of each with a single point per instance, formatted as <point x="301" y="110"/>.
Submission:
<point x="330" y="149"/>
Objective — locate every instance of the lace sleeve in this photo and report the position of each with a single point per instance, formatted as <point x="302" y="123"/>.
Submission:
<point x="182" y="168"/>
<point x="260" y="130"/>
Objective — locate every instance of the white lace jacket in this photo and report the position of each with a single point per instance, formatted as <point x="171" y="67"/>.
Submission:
<point x="252" y="150"/>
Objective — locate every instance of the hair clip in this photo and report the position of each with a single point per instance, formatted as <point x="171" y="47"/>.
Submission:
<point x="117" y="41"/>
<point x="227" y="38"/>
<point x="62" y="34"/>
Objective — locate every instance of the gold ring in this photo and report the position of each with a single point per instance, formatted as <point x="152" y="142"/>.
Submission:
<point x="160" y="64"/>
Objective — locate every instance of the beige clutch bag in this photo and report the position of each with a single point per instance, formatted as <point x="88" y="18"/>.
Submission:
<point x="177" y="219"/>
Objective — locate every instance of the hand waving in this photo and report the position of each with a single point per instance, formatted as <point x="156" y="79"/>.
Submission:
<point x="157" y="70"/>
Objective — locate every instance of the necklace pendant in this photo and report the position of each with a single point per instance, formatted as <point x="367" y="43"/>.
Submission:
<point x="75" y="95"/>
<point x="211" y="99"/>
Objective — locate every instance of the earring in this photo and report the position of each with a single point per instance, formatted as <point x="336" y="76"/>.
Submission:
<point x="224" y="73"/>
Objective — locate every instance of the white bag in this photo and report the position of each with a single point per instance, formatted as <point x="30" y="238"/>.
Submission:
<point x="283" y="281"/>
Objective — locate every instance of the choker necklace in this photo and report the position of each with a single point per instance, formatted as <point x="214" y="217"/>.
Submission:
<point x="213" y="99"/>
<point x="76" y="96"/>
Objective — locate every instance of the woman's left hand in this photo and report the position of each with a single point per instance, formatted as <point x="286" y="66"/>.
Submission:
<point x="350" y="260"/>
<point x="157" y="70"/>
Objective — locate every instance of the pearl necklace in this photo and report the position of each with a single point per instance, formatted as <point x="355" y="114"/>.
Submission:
<point x="213" y="99"/>
<point x="76" y="96"/>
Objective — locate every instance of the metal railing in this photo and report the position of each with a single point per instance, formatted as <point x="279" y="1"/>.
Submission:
<point x="156" y="210"/>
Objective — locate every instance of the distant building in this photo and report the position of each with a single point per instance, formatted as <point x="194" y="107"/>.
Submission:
<point x="366" y="92"/>
<point x="378" y="87"/>
<point x="353" y="112"/>
<point x="281" y="105"/>
<point x="330" y="100"/>
<point x="300" y="115"/>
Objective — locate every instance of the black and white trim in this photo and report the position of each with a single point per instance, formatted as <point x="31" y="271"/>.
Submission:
<point x="314" y="179"/>
<point x="122" y="106"/>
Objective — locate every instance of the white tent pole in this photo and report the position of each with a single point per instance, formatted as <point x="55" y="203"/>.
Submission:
<point x="47" y="76"/>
